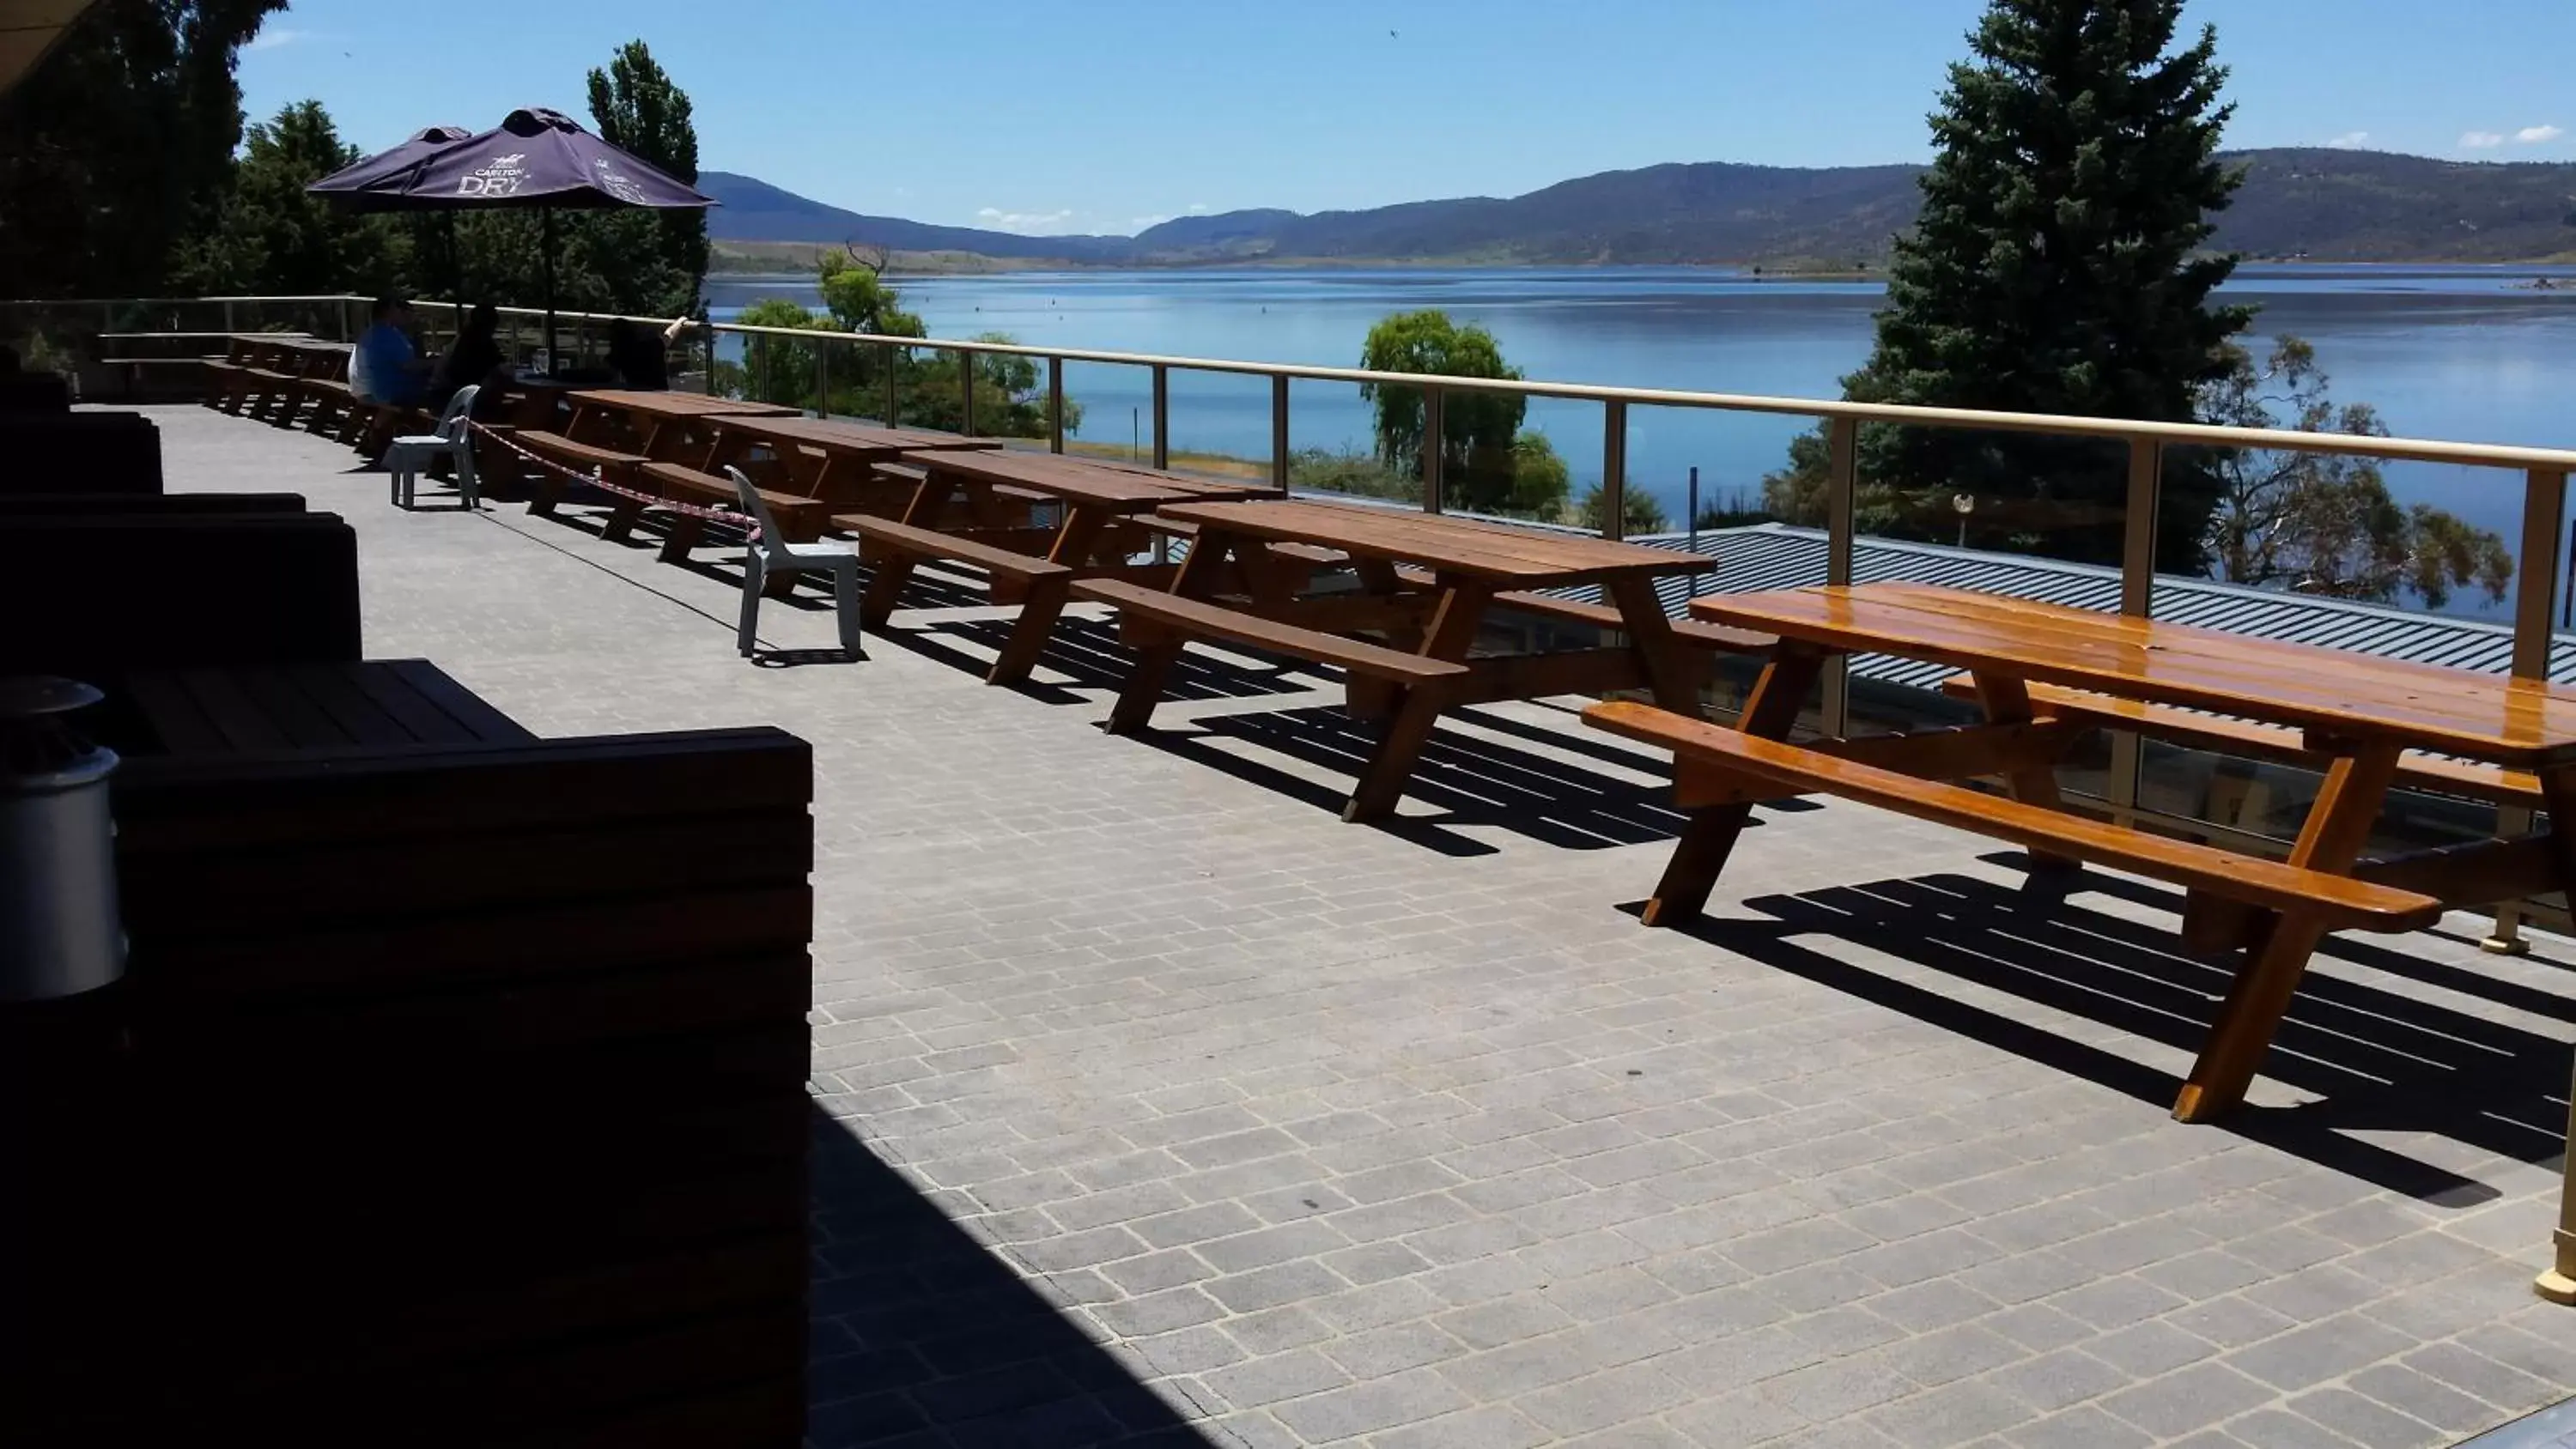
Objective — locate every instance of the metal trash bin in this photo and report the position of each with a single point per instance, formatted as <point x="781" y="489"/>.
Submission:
<point x="59" y="930"/>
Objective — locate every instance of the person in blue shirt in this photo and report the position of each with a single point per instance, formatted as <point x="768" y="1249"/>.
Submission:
<point x="384" y="367"/>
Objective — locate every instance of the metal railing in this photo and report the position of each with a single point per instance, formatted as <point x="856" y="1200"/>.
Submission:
<point x="2544" y="471"/>
<point x="2544" y="492"/>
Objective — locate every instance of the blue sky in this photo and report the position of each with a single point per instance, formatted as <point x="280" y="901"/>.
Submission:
<point x="1106" y="115"/>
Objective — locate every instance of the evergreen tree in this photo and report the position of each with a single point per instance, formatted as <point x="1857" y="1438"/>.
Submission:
<point x="653" y="262"/>
<point x="119" y="143"/>
<point x="271" y="237"/>
<point x="2057" y="267"/>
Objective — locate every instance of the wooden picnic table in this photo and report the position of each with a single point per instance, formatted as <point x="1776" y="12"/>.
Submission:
<point x="1427" y="581"/>
<point x="828" y="458"/>
<point x="2046" y="674"/>
<point x="666" y="427"/>
<point x="1034" y="563"/>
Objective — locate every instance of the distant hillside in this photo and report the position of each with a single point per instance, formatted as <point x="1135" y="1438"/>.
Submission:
<point x="753" y="210"/>
<point x="2326" y="205"/>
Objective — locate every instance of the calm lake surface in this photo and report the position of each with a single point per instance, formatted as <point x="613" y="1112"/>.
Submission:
<point x="2470" y="353"/>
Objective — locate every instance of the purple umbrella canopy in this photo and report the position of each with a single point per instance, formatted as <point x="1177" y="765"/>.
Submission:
<point x="352" y="182"/>
<point x="536" y="158"/>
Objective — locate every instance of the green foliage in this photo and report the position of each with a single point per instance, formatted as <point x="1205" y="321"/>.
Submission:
<point x="2057" y="267"/>
<point x="1539" y="480"/>
<point x="1010" y="395"/>
<point x="1639" y="512"/>
<point x="1477" y="428"/>
<point x="119" y="146"/>
<point x="2324" y="523"/>
<point x="273" y="238"/>
<point x="652" y="262"/>
<point x="1361" y="475"/>
<point x="1010" y="392"/>
<point x="860" y="301"/>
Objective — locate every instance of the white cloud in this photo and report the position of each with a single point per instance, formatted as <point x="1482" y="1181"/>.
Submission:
<point x="2538" y="135"/>
<point x="1141" y="222"/>
<point x="1027" y="223"/>
<point x="272" y="36"/>
<point x="1198" y="208"/>
<point x="2349" y="139"/>
<point x="2481" y="140"/>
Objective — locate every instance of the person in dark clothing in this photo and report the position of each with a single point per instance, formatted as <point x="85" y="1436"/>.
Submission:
<point x="640" y="359"/>
<point x="474" y="359"/>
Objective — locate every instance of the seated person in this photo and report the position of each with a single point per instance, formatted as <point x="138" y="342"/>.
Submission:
<point x="475" y="359"/>
<point x="641" y="361"/>
<point x="383" y="365"/>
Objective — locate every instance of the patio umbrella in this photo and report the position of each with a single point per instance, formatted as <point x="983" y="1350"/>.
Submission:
<point x="534" y="158"/>
<point x="350" y="183"/>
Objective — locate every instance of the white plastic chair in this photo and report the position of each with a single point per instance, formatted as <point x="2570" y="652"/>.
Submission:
<point x="406" y="456"/>
<point x="771" y="552"/>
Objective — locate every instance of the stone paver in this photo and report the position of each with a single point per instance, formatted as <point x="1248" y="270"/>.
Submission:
<point x="1153" y="1099"/>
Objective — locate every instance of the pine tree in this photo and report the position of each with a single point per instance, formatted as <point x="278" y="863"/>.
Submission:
<point x="641" y="112"/>
<point x="2057" y="267"/>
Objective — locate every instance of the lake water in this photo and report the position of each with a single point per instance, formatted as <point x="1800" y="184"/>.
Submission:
<point x="2466" y="353"/>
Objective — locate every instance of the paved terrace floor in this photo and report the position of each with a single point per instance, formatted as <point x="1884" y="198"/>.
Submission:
<point x="1153" y="1101"/>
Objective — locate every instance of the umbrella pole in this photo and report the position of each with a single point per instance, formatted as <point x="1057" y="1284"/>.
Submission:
<point x="554" y="364"/>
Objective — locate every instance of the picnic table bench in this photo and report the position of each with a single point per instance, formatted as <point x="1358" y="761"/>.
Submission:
<point x="1427" y="583"/>
<point x="1032" y="565"/>
<point x="234" y="382"/>
<point x="2045" y="675"/>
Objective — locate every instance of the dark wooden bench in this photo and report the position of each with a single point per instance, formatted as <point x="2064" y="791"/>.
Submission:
<point x="368" y="705"/>
<point x="190" y="590"/>
<point x="83" y="452"/>
<point x="800" y="518"/>
<point x="392" y="985"/>
<point x="38" y="505"/>
<point x="2490" y="784"/>
<point x="1150" y="615"/>
<point x="1776" y="767"/>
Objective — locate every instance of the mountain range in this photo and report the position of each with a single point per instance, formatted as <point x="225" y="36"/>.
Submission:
<point x="2313" y="203"/>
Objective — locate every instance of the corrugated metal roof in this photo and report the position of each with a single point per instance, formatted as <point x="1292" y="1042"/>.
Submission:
<point x="1778" y="556"/>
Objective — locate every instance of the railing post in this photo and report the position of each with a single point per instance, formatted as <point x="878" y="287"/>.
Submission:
<point x="1435" y="428"/>
<point x="1614" y="469"/>
<point x="1055" y="404"/>
<point x="229" y="325"/>
<point x="966" y="392"/>
<point x="2143" y="500"/>
<point x="894" y="385"/>
<point x="1162" y="416"/>
<point x="2544" y="502"/>
<point x="822" y="379"/>
<point x="1842" y="488"/>
<point x="760" y="349"/>
<point x="1279" y="431"/>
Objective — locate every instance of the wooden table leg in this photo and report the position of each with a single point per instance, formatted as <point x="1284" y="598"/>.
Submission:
<point x="1155" y="657"/>
<point x="2338" y="826"/>
<point x="1672" y="671"/>
<point x="1044" y="602"/>
<point x="2007" y="701"/>
<point x="1770" y="713"/>
<point x="892" y="570"/>
<point x="1451" y="634"/>
<point x="1367" y="698"/>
